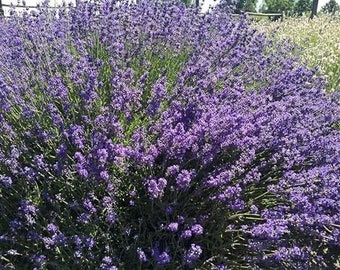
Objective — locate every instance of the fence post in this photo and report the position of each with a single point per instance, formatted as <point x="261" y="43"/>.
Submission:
<point x="314" y="8"/>
<point x="1" y="9"/>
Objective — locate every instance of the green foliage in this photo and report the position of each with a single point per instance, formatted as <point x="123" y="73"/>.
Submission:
<point x="192" y="3"/>
<point x="331" y="7"/>
<point x="277" y="6"/>
<point x="246" y="5"/>
<point x="302" y="6"/>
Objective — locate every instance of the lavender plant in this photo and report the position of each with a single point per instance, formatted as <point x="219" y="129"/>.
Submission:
<point x="149" y="136"/>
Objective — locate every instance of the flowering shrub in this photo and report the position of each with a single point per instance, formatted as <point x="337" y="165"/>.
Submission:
<point x="318" y="45"/>
<point x="149" y="136"/>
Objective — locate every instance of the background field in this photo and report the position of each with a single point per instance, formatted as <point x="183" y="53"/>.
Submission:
<point x="317" y="40"/>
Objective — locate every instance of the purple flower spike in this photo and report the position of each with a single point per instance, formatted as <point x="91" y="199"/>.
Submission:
<point x="141" y="255"/>
<point x="193" y="253"/>
<point x="173" y="227"/>
<point x="196" y="229"/>
<point x="156" y="187"/>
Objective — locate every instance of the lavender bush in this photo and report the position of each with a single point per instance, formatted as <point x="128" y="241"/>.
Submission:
<point x="150" y="136"/>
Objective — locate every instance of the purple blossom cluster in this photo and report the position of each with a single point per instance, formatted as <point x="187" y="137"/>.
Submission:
<point x="150" y="136"/>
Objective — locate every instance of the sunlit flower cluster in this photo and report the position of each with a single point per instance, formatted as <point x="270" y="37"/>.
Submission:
<point x="318" y="41"/>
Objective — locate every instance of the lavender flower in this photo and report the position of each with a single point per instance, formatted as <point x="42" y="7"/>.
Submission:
<point x="84" y="218"/>
<point x="193" y="253"/>
<point x="161" y="258"/>
<point x="39" y="260"/>
<point x="172" y="227"/>
<point x="77" y="240"/>
<point x="183" y="179"/>
<point x="172" y="170"/>
<point x="111" y="218"/>
<point x="169" y="210"/>
<point x="48" y="242"/>
<point x="89" y="242"/>
<point x="6" y="181"/>
<point x="156" y="187"/>
<point x="141" y="255"/>
<point x="107" y="264"/>
<point x="196" y="229"/>
<point x="52" y="228"/>
<point x="89" y="206"/>
<point x="60" y="240"/>
<point x="186" y="234"/>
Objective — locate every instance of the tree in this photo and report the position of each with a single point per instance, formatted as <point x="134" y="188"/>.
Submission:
<point x="277" y="6"/>
<point x="243" y="5"/>
<point x="303" y="6"/>
<point x="1" y="10"/>
<point x="190" y="2"/>
<point x="331" y="7"/>
<point x="246" y="5"/>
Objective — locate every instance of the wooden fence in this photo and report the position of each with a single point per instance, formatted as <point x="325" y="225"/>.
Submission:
<point x="271" y="16"/>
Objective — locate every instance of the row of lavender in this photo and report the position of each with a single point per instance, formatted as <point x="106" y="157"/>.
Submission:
<point x="152" y="137"/>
